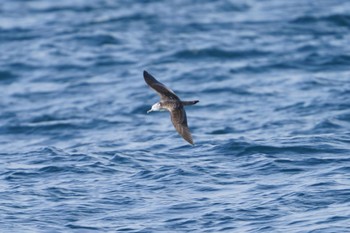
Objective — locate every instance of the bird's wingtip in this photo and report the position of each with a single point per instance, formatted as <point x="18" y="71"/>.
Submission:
<point x="190" y="141"/>
<point x="147" y="75"/>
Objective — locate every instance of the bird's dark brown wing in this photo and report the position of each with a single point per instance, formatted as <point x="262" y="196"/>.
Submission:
<point x="164" y="92"/>
<point x="179" y="119"/>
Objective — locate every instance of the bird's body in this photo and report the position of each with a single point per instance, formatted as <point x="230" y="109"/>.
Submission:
<point x="171" y="102"/>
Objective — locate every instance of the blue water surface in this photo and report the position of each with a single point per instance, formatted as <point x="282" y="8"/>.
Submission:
<point x="78" y="153"/>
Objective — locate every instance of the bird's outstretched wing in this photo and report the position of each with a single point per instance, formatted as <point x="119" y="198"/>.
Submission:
<point x="164" y="92"/>
<point x="179" y="119"/>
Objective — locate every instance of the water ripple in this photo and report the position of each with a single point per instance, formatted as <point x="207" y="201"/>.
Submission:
<point x="80" y="154"/>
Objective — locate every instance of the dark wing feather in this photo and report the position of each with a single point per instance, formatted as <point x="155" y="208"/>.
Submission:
<point x="164" y="92"/>
<point x="179" y="119"/>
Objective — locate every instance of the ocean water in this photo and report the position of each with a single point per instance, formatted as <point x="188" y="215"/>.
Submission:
<point x="78" y="153"/>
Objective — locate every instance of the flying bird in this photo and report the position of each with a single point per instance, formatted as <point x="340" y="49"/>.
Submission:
<point x="171" y="102"/>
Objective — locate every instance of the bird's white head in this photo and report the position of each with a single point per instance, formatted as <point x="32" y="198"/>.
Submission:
<point x="155" y="107"/>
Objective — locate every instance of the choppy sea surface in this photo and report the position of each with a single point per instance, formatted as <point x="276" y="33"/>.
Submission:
<point x="78" y="153"/>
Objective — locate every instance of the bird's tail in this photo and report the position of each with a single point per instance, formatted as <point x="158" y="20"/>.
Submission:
<point x="191" y="102"/>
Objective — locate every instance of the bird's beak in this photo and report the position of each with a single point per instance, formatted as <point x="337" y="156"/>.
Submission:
<point x="149" y="111"/>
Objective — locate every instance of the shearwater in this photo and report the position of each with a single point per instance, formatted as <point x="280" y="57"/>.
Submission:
<point x="171" y="102"/>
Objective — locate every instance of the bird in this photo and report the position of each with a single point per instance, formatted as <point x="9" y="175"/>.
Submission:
<point x="169" y="101"/>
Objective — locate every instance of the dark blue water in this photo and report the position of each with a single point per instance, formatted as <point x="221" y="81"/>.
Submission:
<point x="78" y="153"/>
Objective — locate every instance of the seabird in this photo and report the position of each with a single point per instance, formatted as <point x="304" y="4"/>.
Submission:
<point x="169" y="101"/>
